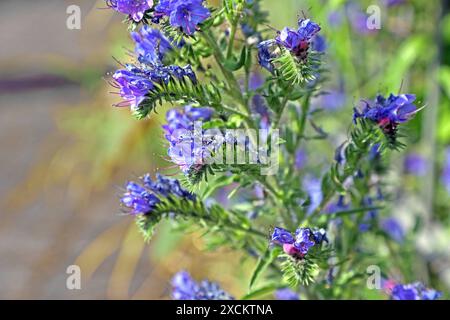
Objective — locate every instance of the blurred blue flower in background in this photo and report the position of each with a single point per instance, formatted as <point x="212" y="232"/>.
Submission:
<point x="286" y="294"/>
<point x="186" y="288"/>
<point x="415" y="164"/>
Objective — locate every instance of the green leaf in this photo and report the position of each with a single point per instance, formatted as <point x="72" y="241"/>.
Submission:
<point x="264" y="261"/>
<point x="265" y="290"/>
<point x="233" y="64"/>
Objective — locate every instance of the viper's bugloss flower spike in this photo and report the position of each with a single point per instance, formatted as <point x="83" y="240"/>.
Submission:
<point x="389" y="112"/>
<point x="297" y="245"/>
<point x="151" y="45"/>
<point x="179" y="131"/>
<point x="414" y="291"/>
<point x="298" y="41"/>
<point x="186" y="288"/>
<point x="286" y="294"/>
<point x="184" y="14"/>
<point x="143" y="196"/>
<point x="135" y="82"/>
<point x="135" y="9"/>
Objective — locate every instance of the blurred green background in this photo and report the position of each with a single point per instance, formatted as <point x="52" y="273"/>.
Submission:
<point x="65" y="151"/>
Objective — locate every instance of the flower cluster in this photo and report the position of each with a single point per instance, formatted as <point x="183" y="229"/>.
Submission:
<point x="186" y="288"/>
<point x="134" y="83"/>
<point x="297" y="42"/>
<point x="185" y="150"/>
<point x="414" y="291"/>
<point x="183" y="14"/>
<point x="135" y="9"/>
<point x="151" y="45"/>
<point x="389" y="112"/>
<point x="142" y="197"/>
<point x="298" y="245"/>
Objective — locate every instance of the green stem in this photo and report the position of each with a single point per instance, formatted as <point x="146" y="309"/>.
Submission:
<point x="232" y="35"/>
<point x="304" y="116"/>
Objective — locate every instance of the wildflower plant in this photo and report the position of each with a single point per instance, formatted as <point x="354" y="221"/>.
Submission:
<point x="219" y="71"/>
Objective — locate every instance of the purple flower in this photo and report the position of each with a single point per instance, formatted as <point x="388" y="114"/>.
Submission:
<point x="393" y="228"/>
<point x="265" y="55"/>
<point x="392" y="3"/>
<point x="151" y="45"/>
<point x="405" y="292"/>
<point x="134" y="8"/>
<point x="133" y="84"/>
<point x="415" y="164"/>
<point x="335" y="18"/>
<point x="313" y="187"/>
<point x="286" y="294"/>
<point x="298" y="245"/>
<point x="185" y="14"/>
<point x="370" y="215"/>
<point x="186" y="288"/>
<point x="319" y="43"/>
<point x="142" y="197"/>
<point x="358" y="19"/>
<point x="331" y="100"/>
<point x="445" y="178"/>
<point x="388" y="112"/>
<point x="281" y="236"/>
<point x="179" y="131"/>
<point x="303" y="240"/>
<point x="337" y="206"/>
<point x="414" y="291"/>
<point x="300" y="158"/>
<point x="298" y="41"/>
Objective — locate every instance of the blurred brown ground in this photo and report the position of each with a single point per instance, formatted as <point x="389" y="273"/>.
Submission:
<point x="58" y="187"/>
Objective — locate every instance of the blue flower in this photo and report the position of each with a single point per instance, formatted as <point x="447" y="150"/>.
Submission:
<point x="134" y="8"/>
<point x="142" y="197"/>
<point x="185" y="14"/>
<point x="298" y="41"/>
<point x="331" y="100"/>
<point x="415" y="164"/>
<point x="179" y="131"/>
<point x="337" y="206"/>
<point x="300" y="158"/>
<point x="393" y="228"/>
<point x="298" y="245"/>
<point x="134" y="84"/>
<point x="265" y="55"/>
<point x="151" y="45"/>
<point x="405" y="292"/>
<point x="319" y="43"/>
<point x="370" y="215"/>
<point x="389" y="112"/>
<point x="414" y="291"/>
<point x="186" y="288"/>
<point x="313" y="187"/>
<point x="303" y="240"/>
<point x="286" y="294"/>
<point x="445" y="178"/>
<point x="282" y="236"/>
